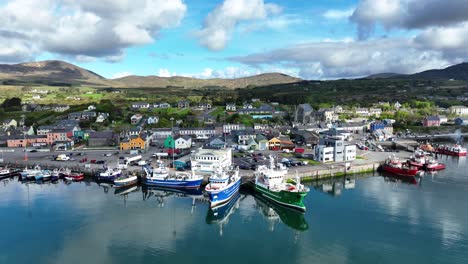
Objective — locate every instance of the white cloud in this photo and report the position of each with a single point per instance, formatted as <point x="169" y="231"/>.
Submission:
<point x="165" y="73"/>
<point x="408" y="14"/>
<point x="219" y="24"/>
<point x="81" y="28"/>
<point x="338" y="14"/>
<point x="326" y="60"/>
<point x="121" y="75"/>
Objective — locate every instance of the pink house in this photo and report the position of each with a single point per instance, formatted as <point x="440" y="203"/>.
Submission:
<point x="430" y="121"/>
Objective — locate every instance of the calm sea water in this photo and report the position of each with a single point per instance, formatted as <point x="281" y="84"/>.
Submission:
<point x="380" y="220"/>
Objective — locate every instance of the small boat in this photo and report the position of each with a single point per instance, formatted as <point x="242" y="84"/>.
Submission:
<point x="125" y="181"/>
<point x="110" y="174"/>
<point x="160" y="177"/>
<point x="72" y="176"/>
<point x="270" y="183"/>
<point x="395" y="166"/>
<point x="30" y="174"/>
<point x="223" y="185"/>
<point x="433" y="165"/>
<point x="43" y="175"/>
<point x="6" y="172"/>
<point x="456" y="150"/>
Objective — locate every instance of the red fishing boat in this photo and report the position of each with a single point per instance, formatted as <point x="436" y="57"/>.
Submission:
<point x="74" y="176"/>
<point x="433" y="165"/>
<point x="456" y="150"/>
<point x="395" y="166"/>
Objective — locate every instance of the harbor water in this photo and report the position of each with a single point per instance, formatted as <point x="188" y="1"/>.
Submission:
<point x="362" y="219"/>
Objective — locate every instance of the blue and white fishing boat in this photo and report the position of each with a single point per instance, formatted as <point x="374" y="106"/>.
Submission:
<point x="30" y="174"/>
<point x="161" y="177"/>
<point x="223" y="185"/>
<point x="110" y="174"/>
<point x="43" y="175"/>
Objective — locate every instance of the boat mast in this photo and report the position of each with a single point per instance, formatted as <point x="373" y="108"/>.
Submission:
<point x="173" y="141"/>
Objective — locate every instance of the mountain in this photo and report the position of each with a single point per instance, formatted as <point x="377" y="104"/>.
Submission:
<point x="456" y="72"/>
<point x="55" y="72"/>
<point x="187" y="82"/>
<point x="50" y="72"/>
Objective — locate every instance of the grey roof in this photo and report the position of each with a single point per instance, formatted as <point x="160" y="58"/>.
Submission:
<point x="432" y="118"/>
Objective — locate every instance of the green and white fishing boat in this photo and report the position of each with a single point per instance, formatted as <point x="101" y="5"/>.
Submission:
<point x="270" y="183"/>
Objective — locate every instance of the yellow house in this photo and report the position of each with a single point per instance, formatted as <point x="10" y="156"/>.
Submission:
<point x="274" y="144"/>
<point x="133" y="143"/>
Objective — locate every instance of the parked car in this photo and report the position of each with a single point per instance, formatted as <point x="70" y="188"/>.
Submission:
<point x="100" y="162"/>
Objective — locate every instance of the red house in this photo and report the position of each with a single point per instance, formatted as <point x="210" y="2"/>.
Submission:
<point x="431" y="121"/>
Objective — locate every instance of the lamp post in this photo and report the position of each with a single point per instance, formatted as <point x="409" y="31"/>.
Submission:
<point x="173" y="141"/>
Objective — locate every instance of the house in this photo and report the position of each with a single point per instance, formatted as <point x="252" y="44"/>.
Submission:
<point x="102" y="139"/>
<point x="140" y="105"/>
<point x="229" y="128"/>
<point x="102" y="117"/>
<point x="443" y="119"/>
<point x="164" y="105"/>
<point x="375" y="112"/>
<point x="152" y="120"/>
<point x="63" y="134"/>
<point x="91" y="108"/>
<point x="160" y="133"/>
<point x="207" y="161"/>
<point x="252" y="144"/>
<point x="204" y="106"/>
<point x="459" y="110"/>
<point x="262" y="142"/>
<point x="244" y="136"/>
<point x="431" y="121"/>
<point x="461" y="121"/>
<point x="261" y="127"/>
<point x="332" y="147"/>
<point x="305" y="137"/>
<point x="9" y="123"/>
<point x="215" y="142"/>
<point x="362" y="111"/>
<point x="36" y="97"/>
<point x="183" y="142"/>
<point x="135" y="119"/>
<point x="397" y="105"/>
<point x="84" y="115"/>
<point x="169" y="142"/>
<point x="287" y="144"/>
<point x="325" y="115"/>
<point x="60" y="108"/>
<point x="231" y="107"/>
<point x="376" y="125"/>
<point x="274" y="144"/>
<point x="135" y="142"/>
<point x="247" y="106"/>
<point x="21" y="141"/>
<point x="183" y="104"/>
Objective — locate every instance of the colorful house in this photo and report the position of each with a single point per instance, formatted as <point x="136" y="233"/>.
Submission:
<point x="262" y="142"/>
<point x="274" y="144"/>
<point x="134" y="142"/>
<point x="431" y="121"/>
<point x="169" y="142"/>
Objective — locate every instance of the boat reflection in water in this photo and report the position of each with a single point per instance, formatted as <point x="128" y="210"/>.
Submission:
<point x="161" y="193"/>
<point x="219" y="215"/>
<point x="275" y="213"/>
<point x="389" y="177"/>
<point x="124" y="191"/>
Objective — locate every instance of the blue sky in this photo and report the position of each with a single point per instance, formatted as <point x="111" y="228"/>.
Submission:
<point x="233" y="38"/>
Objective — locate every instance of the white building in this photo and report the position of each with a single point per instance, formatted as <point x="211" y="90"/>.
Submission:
<point x="206" y="161"/>
<point x="183" y="142"/>
<point x="152" y="120"/>
<point x="350" y="152"/>
<point x="323" y="153"/>
<point x="362" y="111"/>
<point x="231" y="107"/>
<point x="228" y="128"/>
<point x="459" y="110"/>
<point x="375" y="112"/>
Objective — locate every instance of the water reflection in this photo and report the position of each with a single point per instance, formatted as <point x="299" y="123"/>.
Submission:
<point x="275" y="213"/>
<point x="219" y="215"/>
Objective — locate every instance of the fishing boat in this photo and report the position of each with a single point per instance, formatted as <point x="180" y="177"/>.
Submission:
<point x="161" y="177"/>
<point x="110" y="174"/>
<point x="125" y="181"/>
<point x="30" y="174"/>
<point x="43" y="175"/>
<point x="270" y="183"/>
<point x="433" y="165"/>
<point x="455" y="150"/>
<point x="72" y="176"/>
<point x="395" y="166"/>
<point x="223" y="185"/>
<point x="6" y="172"/>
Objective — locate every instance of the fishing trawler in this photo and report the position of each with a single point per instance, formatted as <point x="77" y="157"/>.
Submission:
<point x="223" y="185"/>
<point x="455" y="150"/>
<point x="270" y="183"/>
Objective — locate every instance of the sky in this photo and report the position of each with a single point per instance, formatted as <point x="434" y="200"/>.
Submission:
<point x="319" y="39"/>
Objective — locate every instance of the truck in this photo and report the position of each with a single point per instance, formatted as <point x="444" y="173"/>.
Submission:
<point x="123" y="164"/>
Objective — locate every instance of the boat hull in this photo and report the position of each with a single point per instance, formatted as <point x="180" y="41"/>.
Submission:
<point x="435" y="167"/>
<point x="293" y="200"/>
<point x="221" y="196"/>
<point x="127" y="182"/>
<point x="110" y="178"/>
<point x="182" y="184"/>
<point x="451" y="153"/>
<point x="398" y="171"/>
